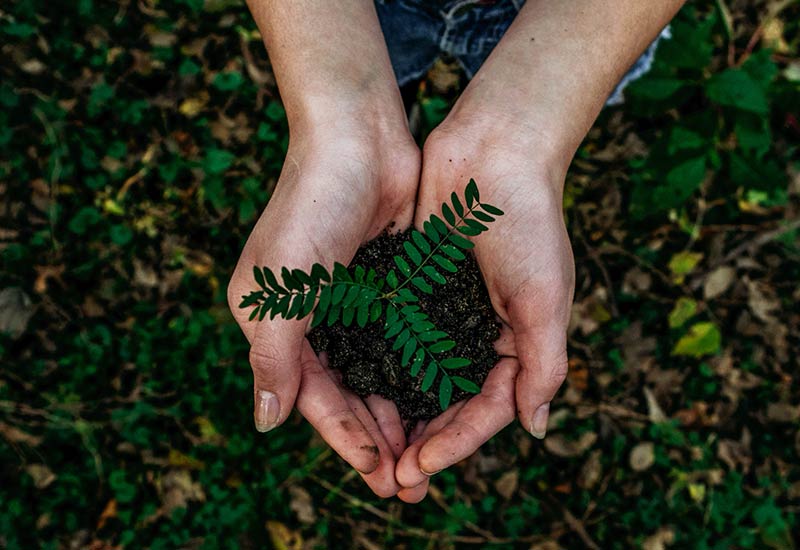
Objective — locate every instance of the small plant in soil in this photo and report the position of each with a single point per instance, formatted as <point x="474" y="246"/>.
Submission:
<point x="359" y="296"/>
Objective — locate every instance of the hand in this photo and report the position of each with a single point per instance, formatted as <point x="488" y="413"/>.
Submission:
<point x="526" y="261"/>
<point x="340" y="186"/>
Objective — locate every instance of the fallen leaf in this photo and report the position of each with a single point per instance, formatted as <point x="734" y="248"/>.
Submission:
<point x="15" y="435"/>
<point x="718" y="282"/>
<point x="507" y="484"/>
<point x="177" y="458"/>
<point x="734" y="454"/>
<point x="682" y="263"/>
<point x="702" y="339"/>
<point x="46" y="272"/>
<point x="659" y="540"/>
<point x="642" y="456"/>
<point x="762" y="301"/>
<point x="783" y="412"/>
<point x="178" y="489"/>
<point x="41" y="474"/>
<point x="559" y="445"/>
<point x="284" y="538"/>
<point x="16" y="309"/>
<point x="697" y="491"/>
<point x="654" y="411"/>
<point x="591" y="471"/>
<point x="302" y="505"/>
<point x="192" y="106"/>
<point x="685" y="309"/>
<point x="109" y="512"/>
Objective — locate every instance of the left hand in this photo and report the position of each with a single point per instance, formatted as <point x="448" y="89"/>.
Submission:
<point x="527" y="264"/>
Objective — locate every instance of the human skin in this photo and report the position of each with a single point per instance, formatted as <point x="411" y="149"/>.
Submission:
<point x="351" y="170"/>
<point x="514" y="130"/>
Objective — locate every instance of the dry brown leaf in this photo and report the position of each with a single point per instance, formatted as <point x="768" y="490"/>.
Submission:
<point x="46" y="272"/>
<point x="718" y="281"/>
<point x="654" y="411"/>
<point x="178" y="489"/>
<point x="636" y="281"/>
<point x="507" y="484"/>
<point x="41" y="474"/>
<point x="734" y="454"/>
<point x="144" y="275"/>
<point x="660" y="539"/>
<point x="109" y="512"/>
<point x="783" y="412"/>
<point x="302" y="505"/>
<point x="33" y="66"/>
<point x="762" y="301"/>
<point x="559" y="445"/>
<point x="16" y="309"/>
<point x="591" y="471"/>
<point x="642" y="456"/>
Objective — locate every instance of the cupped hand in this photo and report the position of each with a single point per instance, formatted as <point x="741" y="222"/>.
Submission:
<point x="340" y="186"/>
<point x="527" y="264"/>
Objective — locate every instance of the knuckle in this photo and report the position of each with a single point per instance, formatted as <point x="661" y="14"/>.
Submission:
<point x="265" y="355"/>
<point x="559" y="370"/>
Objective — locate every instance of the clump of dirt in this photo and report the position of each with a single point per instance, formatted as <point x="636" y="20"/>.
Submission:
<point x="369" y="366"/>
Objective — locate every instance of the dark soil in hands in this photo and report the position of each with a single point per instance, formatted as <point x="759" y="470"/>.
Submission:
<point x="369" y="366"/>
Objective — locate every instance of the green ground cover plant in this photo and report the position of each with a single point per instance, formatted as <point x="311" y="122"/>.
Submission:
<point x="140" y="140"/>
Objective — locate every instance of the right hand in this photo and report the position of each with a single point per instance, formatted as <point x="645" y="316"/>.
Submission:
<point x="341" y="185"/>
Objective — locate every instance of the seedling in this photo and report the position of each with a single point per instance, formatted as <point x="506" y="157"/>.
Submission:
<point x="358" y="295"/>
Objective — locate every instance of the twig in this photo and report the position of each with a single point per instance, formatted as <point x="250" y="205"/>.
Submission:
<point x="612" y="302"/>
<point x="484" y="538"/>
<point x="577" y="526"/>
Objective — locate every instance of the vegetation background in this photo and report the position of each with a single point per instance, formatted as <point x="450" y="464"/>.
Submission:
<point x="140" y="140"/>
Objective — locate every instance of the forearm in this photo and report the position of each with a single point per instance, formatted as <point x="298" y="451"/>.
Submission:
<point x="330" y="60"/>
<point x="557" y="64"/>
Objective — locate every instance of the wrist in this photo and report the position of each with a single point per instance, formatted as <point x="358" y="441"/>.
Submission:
<point x="375" y="107"/>
<point x="495" y="143"/>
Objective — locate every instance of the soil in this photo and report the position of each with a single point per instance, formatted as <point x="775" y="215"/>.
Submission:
<point x="369" y="366"/>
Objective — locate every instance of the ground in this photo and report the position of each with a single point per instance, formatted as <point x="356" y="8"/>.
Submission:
<point x="140" y="140"/>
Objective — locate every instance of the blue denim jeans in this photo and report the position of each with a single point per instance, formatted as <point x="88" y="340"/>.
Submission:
<point x="418" y="31"/>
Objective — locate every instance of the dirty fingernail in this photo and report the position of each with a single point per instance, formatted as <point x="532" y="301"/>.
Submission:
<point x="267" y="410"/>
<point x="539" y="421"/>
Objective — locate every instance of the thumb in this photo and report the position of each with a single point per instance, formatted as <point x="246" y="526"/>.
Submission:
<point x="275" y="357"/>
<point x="542" y="352"/>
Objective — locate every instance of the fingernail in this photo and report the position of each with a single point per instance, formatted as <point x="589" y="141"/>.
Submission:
<point x="267" y="410"/>
<point x="429" y="474"/>
<point x="539" y="421"/>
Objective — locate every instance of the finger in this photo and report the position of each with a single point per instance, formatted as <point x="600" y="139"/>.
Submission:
<point x="413" y="495"/>
<point x="481" y="418"/>
<point x="388" y="419"/>
<point x="324" y="406"/>
<point x="542" y="352"/>
<point x="408" y="471"/>
<point x="275" y="358"/>
<point x="382" y="479"/>
<point x="416" y="433"/>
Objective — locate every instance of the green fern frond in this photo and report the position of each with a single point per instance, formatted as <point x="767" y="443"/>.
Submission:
<point x="358" y="296"/>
